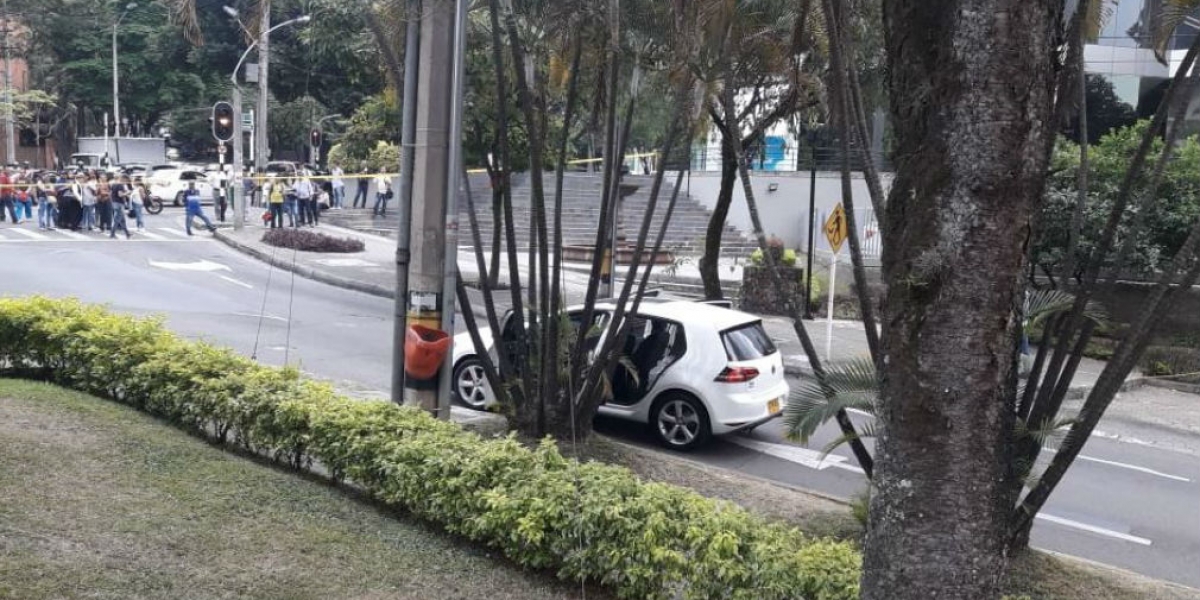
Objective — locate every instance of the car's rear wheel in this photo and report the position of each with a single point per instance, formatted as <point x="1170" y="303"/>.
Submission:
<point x="680" y="422"/>
<point x="471" y="386"/>
<point x="179" y="199"/>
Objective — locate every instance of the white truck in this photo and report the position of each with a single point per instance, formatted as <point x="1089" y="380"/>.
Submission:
<point x="98" y="152"/>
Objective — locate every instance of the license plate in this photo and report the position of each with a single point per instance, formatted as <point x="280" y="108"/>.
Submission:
<point x="773" y="406"/>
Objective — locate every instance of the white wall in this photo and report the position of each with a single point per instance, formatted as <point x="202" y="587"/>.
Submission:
<point x="784" y="212"/>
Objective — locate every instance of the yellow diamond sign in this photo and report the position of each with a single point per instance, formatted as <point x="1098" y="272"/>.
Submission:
<point x="835" y="228"/>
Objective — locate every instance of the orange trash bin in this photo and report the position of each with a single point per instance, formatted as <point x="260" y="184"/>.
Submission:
<point x="424" y="350"/>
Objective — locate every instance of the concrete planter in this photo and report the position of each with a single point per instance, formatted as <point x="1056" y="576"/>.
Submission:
<point x="759" y="294"/>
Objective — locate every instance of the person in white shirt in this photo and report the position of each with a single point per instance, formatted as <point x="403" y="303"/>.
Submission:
<point x="137" y="202"/>
<point x="338" y="187"/>
<point x="306" y="197"/>
<point x="383" y="193"/>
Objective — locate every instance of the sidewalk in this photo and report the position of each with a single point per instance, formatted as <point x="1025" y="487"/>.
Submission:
<point x="373" y="271"/>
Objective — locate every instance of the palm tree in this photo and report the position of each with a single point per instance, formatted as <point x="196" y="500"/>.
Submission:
<point x="854" y="385"/>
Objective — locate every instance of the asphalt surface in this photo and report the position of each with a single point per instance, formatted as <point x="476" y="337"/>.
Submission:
<point x="1124" y="504"/>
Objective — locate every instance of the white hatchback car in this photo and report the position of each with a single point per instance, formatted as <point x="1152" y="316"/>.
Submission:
<point x="702" y="370"/>
<point x="168" y="185"/>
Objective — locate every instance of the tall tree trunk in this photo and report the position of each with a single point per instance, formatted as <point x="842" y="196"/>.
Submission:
<point x="497" y="230"/>
<point x="971" y="101"/>
<point x="710" y="262"/>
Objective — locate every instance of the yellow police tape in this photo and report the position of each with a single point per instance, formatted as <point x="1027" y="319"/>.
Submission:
<point x="276" y="176"/>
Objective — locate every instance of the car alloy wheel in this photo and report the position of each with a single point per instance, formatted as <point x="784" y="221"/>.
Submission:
<point x="471" y="384"/>
<point x="681" y="423"/>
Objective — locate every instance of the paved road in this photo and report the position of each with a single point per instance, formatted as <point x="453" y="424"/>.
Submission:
<point x="1124" y="504"/>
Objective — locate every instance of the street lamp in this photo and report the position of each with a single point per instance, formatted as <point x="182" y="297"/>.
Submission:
<point x="117" y="78"/>
<point x="239" y="209"/>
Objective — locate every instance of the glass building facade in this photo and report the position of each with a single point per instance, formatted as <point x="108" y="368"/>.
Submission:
<point x="1124" y="52"/>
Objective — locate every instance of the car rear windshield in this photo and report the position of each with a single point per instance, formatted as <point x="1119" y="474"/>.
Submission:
<point x="747" y="342"/>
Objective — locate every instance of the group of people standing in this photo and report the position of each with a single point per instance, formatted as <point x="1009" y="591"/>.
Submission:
<point x="89" y="200"/>
<point x="295" y="197"/>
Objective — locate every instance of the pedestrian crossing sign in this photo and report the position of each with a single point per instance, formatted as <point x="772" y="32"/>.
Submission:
<point x="835" y="228"/>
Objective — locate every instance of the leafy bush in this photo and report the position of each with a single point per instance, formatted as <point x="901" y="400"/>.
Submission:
<point x="1172" y="360"/>
<point x="590" y="521"/>
<point x="310" y="241"/>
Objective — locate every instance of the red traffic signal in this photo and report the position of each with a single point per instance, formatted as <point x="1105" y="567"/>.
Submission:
<point x="314" y="138"/>
<point x="223" y="121"/>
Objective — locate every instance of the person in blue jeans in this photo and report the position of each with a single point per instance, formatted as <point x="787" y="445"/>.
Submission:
<point x="290" y="203"/>
<point x="45" y="202"/>
<point x="191" y="197"/>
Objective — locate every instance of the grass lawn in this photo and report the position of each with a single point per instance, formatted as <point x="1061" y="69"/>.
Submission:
<point x="100" y="501"/>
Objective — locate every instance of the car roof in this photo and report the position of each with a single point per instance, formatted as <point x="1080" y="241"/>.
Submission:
<point x="690" y="312"/>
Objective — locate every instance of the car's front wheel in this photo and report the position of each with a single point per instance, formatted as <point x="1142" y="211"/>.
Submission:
<point x="179" y="199"/>
<point x="680" y="422"/>
<point x="471" y="386"/>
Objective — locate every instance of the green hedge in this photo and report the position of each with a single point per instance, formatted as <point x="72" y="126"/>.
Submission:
<point x="643" y="540"/>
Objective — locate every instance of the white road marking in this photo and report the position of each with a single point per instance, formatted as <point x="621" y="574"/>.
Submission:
<point x="76" y="235"/>
<point x="200" y="265"/>
<point x="1125" y="537"/>
<point x="1122" y="465"/>
<point x="255" y="316"/>
<point x="345" y="262"/>
<point x="1102" y="461"/>
<point x="813" y="460"/>
<point x="801" y="456"/>
<point x="174" y="232"/>
<point x="236" y="282"/>
<point x="29" y="234"/>
<point x="153" y="236"/>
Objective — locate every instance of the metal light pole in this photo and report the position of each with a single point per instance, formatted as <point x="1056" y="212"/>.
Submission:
<point x="117" y="81"/>
<point x="404" y="197"/>
<point x="812" y="221"/>
<point x="239" y="210"/>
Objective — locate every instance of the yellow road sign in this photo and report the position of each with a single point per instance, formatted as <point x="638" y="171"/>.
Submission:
<point x="835" y="228"/>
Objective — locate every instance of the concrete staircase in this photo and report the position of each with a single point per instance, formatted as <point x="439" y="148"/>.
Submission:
<point x="581" y="215"/>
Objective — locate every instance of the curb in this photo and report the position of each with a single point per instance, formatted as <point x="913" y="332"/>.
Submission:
<point x="303" y="271"/>
<point x="318" y="275"/>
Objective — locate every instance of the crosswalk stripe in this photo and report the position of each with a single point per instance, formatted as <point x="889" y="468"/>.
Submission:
<point x="174" y="232"/>
<point x="75" y="235"/>
<point x="153" y="236"/>
<point x="29" y="234"/>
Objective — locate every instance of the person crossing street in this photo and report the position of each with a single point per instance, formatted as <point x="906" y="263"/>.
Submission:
<point x="192" y="198"/>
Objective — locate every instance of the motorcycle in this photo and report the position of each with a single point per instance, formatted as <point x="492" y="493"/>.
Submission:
<point x="153" y="205"/>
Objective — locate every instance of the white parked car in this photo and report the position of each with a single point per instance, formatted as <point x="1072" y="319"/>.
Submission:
<point x="702" y="370"/>
<point x="168" y="185"/>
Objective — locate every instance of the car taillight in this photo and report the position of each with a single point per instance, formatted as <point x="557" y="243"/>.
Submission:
<point x="737" y="374"/>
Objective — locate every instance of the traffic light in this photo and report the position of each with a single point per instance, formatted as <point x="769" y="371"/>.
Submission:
<point x="314" y="138"/>
<point x="223" y="121"/>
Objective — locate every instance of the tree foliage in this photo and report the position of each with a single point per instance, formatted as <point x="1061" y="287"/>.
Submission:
<point x="1169" y="216"/>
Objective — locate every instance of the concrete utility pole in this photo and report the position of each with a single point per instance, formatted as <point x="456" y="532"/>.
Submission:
<point x="237" y="195"/>
<point x="264" y="55"/>
<point x="454" y="182"/>
<point x="431" y="172"/>
<point x="10" y="144"/>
